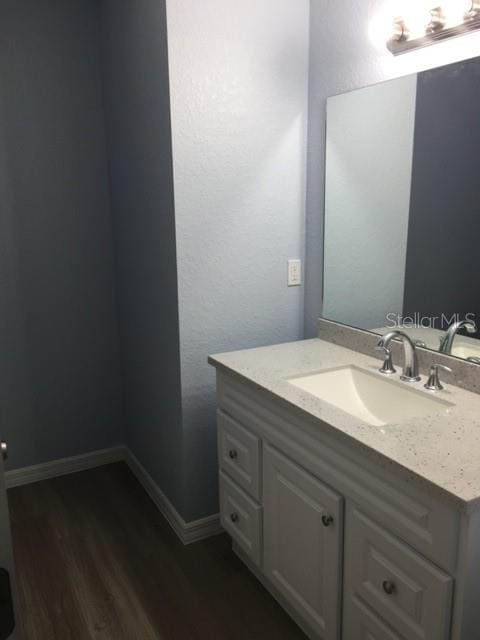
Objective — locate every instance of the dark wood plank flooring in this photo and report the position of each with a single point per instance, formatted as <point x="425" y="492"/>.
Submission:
<point x="96" y="561"/>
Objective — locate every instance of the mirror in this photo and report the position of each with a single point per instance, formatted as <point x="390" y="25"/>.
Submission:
<point x="402" y="208"/>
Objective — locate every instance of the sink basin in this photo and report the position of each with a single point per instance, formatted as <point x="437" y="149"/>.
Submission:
<point x="368" y="397"/>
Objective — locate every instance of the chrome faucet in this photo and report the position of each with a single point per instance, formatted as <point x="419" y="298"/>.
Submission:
<point x="446" y="343"/>
<point x="410" y="367"/>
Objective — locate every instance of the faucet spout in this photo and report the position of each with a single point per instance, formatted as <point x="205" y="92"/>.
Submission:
<point x="410" y="367"/>
<point x="446" y="343"/>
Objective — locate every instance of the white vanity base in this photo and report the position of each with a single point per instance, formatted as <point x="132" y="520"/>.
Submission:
<point x="351" y="547"/>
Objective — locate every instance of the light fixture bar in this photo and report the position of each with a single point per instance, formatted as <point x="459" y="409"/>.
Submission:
<point x="400" y="42"/>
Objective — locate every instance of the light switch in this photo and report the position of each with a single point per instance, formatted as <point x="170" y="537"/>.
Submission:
<point x="294" y="273"/>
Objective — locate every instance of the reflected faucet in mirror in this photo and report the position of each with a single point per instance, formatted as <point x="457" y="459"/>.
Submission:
<point x="410" y="367"/>
<point x="446" y="343"/>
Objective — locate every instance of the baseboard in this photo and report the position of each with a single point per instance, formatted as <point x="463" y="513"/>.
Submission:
<point x="63" y="467"/>
<point x="188" y="532"/>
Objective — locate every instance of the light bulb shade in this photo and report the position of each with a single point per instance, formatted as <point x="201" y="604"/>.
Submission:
<point x="437" y="20"/>
<point x="473" y="11"/>
<point x="400" y="32"/>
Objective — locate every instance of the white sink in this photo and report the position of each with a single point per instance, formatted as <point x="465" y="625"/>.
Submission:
<point x="368" y="397"/>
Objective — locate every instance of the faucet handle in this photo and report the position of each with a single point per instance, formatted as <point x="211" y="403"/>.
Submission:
<point x="433" y="382"/>
<point x="420" y="343"/>
<point x="387" y="369"/>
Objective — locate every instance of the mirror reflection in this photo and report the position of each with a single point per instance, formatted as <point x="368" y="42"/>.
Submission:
<point x="402" y="219"/>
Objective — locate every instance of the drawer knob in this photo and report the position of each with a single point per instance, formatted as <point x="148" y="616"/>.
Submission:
<point x="327" y="521"/>
<point x="233" y="454"/>
<point x="388" y="587"/>
<point x="234" y="517"/>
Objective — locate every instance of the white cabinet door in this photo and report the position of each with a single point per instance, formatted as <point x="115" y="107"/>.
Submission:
<point x="303" y="528"/>
<point x="8" y="598"/>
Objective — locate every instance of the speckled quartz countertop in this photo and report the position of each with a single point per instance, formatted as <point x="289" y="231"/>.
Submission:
<point x="442" y="449"/>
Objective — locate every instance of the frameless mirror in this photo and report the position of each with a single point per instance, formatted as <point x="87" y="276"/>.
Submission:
<point x="402" y="208"/>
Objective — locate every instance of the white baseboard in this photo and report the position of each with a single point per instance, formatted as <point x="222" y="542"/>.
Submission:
<point x="63" y="467"/>
<point x="188" y="532"/>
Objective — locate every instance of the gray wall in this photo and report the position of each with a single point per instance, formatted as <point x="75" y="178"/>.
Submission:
<point x="239" y="81"/>
<point x="59" y="331"/>
<point x="138" y="116"/>
<point x="444" y="222"/>
<point x="239" y="161"/>
<point x="16" y="411"/>
<point x="347" y="51"/>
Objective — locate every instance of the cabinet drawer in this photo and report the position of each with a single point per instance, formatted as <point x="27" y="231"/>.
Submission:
<point x="401" y="586"/>
<point x="240" y="454"/>
<point x="362" y="624"/>
<point x="241" y="518"/>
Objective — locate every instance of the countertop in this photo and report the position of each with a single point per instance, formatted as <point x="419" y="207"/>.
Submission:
<point x="443" y="449"/>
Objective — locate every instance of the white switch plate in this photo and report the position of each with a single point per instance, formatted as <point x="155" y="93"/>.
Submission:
<point x="294" y="273"/>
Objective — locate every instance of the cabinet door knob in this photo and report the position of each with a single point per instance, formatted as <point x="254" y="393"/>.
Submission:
<point x="327" y="521"/>
<point x="233" y="454"/>
<point x="4" y="450"/>
<point x="388" y="587"/>
<point x="234" y="517"/>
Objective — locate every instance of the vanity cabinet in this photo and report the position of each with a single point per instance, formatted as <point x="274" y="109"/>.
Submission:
<point x="302" y="543"/>
<point x="351" y="550"/>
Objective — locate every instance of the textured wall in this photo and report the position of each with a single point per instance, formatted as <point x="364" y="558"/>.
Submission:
<point x="367" y="204"/>
<point x="345" y="54"/>
<point x="59" y="334"/>
<point x="138" y="116"/>
<point x="239" y="80"/>
<point x="16" y="410"/>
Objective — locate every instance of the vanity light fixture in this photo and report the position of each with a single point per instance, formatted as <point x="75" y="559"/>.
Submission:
<point x="437" y="22"/>
<point x="444" y="22"/>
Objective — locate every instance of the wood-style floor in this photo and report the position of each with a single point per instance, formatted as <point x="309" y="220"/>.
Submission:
<point x="96" y="561"/>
